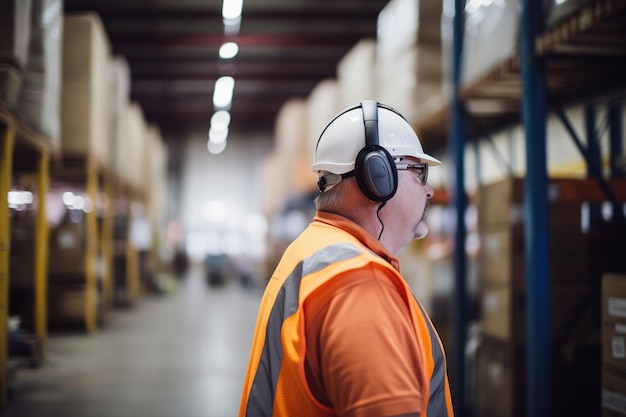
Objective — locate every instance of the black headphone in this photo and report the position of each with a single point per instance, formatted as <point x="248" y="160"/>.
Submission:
<point x="375" y="169"/>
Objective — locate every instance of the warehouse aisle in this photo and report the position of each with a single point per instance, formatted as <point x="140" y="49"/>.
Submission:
<point x="179" y="355"/>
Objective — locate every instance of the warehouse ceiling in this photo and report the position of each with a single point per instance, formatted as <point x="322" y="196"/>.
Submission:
<point x="285" y="49"/>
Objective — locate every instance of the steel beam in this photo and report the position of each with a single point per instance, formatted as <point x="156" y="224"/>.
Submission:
<point x="538" y="312"/>
<point x="457" y="150"/>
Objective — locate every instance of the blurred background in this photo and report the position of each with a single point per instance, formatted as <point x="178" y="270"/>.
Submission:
<point x="156" y="162"/>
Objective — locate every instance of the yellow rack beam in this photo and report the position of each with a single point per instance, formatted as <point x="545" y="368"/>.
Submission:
<point x="6" y="172"/>
<point x="41" y="250"/>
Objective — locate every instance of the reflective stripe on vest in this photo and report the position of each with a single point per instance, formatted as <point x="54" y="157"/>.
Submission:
<point x="437" y="400"/>
<point x="261" y="400"/>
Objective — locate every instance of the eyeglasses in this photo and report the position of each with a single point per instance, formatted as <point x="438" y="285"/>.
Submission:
<point x="422" y="170"/>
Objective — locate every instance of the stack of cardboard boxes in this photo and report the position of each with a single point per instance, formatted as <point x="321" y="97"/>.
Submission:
<point x="502" y="279"/>
<point x="84" y="117"/>
<point x="614" y="345"/>
<point x="73" y="297"/>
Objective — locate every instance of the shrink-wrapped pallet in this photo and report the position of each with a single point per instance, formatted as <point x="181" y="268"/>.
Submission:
<point x="491" y="37"/>
<point x="356" y="74"/>
<point x="409" y="57"/>
<point x="14" y="39"/>
<point x="156" y="174"/>
<point x="291" y="127"/>
<point x="556" y="11"/>
<point x="40" y="96"/>
<point x="84" y="120"/>
<point x="133" y="152"/>
<point x="119" y="89"/>
<point x="323" y="105"/>
<point x="274" y="180"/>
<point x="291" y="147"/>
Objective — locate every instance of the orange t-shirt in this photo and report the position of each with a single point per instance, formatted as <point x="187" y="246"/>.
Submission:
<point x="362" y="357"/>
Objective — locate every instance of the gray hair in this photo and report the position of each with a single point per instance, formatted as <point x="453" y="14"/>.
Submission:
<point x="331" y="200"/>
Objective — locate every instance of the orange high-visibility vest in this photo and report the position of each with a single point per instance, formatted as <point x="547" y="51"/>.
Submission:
<point x="275" y="383"/>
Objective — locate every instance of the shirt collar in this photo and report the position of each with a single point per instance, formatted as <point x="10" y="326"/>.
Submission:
<point x="357" y="231"/>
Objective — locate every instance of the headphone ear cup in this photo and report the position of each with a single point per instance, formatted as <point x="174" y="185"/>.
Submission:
<point x="376" y="173"/>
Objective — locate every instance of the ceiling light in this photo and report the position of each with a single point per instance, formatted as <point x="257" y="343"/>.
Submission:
<point x="228" y="50"/>
<point x="216" y="148"/>
<point x="220" y="120"/>
<point x="223" y="93"/>
<point x="231" y="9"/>
<point x="218" y="135"/>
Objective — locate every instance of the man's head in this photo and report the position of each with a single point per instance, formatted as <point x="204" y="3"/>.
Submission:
<point x="372" y="143"/>
<point x="360" y="134"/>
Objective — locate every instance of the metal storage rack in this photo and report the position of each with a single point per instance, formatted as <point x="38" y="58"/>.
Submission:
<point x="579" y="60"/>
<point x="126" y="285"/>
<point x="23" y="150"/>
<point x="87" y="174"/>
<point x="26" y="151"/>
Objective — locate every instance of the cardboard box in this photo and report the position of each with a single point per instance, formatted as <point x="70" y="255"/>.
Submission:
<point x="614" y="298"/>
<point x="502" y="259"/>
<point x="614" y="344"/>
<point x="502" y="204"/>
<point x="501" y="380"/>
<point x="84" y="104"/>
<point x="613" y="392"/>
<point x="502" y="377"/>
<point x="70" y="305"/>
<point x="614" y="320"/>
<point x="503" y="312"/>
<point x="67" y="250"/>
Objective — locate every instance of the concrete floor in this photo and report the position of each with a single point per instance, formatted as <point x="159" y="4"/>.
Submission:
<point x="182" y="354"/>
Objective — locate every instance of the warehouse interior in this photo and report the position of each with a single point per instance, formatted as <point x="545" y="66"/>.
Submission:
<point x="155" y="160"/>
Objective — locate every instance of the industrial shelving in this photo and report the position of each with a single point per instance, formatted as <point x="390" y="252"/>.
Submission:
<point x="23" y="151"/>
<point x="32" y="158"/>
<point x="584" y="59"/>
<point x="579" y="60"/>
<point x="89" y="284"/>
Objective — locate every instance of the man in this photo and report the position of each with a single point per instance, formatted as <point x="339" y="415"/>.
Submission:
<point x="339" y="332"/>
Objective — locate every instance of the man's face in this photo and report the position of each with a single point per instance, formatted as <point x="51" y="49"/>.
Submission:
<point x="408" y="207"/>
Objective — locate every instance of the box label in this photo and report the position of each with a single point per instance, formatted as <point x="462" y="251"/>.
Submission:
<point x="618" y="347"/>
<point x="617" y="307"/>
<point x="613" y="401"/>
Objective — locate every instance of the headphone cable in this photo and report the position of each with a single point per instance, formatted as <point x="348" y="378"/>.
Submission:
<point x="379" y="219"/>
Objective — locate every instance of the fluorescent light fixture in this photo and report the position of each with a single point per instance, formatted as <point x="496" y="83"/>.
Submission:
<point x="220" y="120"/>
<point x="232" y="26"/>
<point x="216" y="148"/>
<point x="228" y="50"/>
<point x="218" y="135"/>
<point x="231" y="9"/>
<point x="68" y="198"/>
<point x="19" y="199"/>
<point x="223" y="93"/>
<point x="79" y="202"/>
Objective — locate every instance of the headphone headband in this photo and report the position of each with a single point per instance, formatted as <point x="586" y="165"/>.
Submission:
<point x="370" y="121"/>
<point x="374" y="168"/>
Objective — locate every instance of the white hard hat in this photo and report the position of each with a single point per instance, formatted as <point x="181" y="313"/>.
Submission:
<point x="342" y="139"/>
